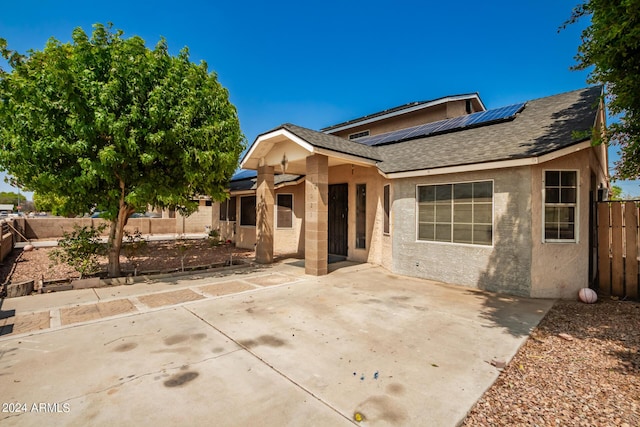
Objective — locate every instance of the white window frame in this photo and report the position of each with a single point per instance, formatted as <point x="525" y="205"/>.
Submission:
<point x="576" y="223"/>
<point x="278" y="226"/>
<point x="475" y="245"/>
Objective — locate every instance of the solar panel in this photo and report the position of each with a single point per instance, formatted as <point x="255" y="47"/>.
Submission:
<point x="471" y="120"/>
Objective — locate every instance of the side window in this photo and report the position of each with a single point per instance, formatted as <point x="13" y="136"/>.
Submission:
<point x="560" y="205"/>
<point x="248" y="211"/>
<point x="284" y="216"/>
<point x="228" y="209"/>
<point x="361" y="216"/>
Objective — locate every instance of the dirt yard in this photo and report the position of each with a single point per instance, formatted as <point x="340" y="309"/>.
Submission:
<point x="156" y="256"/>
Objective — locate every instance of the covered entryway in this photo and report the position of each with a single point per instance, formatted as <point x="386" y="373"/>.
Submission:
<point x="338" y="226"/>
<point x="294" y="150"/>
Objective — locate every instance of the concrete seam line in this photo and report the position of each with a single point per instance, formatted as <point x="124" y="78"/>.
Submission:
<point x="300" y="386"/>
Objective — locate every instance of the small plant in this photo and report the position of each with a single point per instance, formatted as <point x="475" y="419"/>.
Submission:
<point x="80" y="249"/>
<point x="134" y="247"/>
<point x="214" y="238"/>
<point x="182" y="246"/>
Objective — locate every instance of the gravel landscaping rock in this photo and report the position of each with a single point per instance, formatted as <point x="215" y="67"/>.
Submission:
<point x="580" y="367"/>
<point x="158" y="256"/>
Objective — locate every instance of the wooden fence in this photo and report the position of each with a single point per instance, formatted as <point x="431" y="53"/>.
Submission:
<point x="618" y="248"/>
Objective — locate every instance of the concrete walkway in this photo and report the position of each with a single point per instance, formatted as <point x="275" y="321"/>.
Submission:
<point x="267" y="346"/>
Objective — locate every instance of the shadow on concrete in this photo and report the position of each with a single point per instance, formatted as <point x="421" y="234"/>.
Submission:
<point x="333" y="266"/>
<point x="507" y="312"/>
<point x="5" y="329"/>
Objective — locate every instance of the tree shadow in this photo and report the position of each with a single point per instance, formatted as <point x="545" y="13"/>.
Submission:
<point x="5" y="329"/>
<point x="518" y="316"/>
<point x="567" y="126"/>
<point x="508" y="271"/>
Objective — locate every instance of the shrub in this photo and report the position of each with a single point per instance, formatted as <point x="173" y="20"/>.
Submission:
<point x="80" y="249"/>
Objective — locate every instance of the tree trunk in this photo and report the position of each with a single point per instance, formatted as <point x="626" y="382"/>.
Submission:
<point x="115" y="239"/>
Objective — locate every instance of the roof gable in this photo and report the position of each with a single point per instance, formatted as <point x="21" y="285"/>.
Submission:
<point x="545" y="125"/>
<point x="402" y="109"/>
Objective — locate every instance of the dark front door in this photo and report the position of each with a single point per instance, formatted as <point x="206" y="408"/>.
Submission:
<point x="338" y="208"/>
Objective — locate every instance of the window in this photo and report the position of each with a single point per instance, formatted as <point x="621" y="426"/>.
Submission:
<point x="248" y="210"/>
<point x="560" y="204"/>
<point x="456" y="213"/>
<point x="228" y="210"/>
<point x="361" y="216"/>
<point x="387" y="207"/>
<point x="359" y="134"/>
<point x="284" y="216"/>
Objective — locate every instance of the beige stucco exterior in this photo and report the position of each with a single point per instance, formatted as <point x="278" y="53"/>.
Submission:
<point x="518" y="261"/>
<point x="559" y="270"/>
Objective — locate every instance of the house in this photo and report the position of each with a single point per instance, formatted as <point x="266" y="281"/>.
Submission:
<point x="447" y="190"/>
<point x="5" y="209"/>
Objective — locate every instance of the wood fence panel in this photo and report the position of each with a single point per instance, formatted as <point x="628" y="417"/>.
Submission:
<point x="604" y="263"/>
<point x="617" y="261"/>
<point x="631" y="246"/>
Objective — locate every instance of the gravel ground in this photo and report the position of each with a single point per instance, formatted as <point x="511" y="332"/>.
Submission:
<point x="580" y="367"/>
<point x="162" y="255"/>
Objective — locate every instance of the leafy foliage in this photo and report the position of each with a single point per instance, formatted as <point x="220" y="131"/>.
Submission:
<point x="611" y="44"/>
<point x="80" y="249"/>
<point x="9" y="197"/>
<point x="50" y="203"/>
<point x="104" y="122"/>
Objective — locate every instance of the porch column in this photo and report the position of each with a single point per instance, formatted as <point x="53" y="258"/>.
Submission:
<point x="316" y="215"/>
<point x="265" y="197"/>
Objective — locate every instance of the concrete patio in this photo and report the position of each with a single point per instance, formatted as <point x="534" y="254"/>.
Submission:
<point x="267" y="345"/>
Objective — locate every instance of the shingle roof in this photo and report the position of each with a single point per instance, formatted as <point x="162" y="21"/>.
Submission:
<point x="251" y="183"/>
<point x="334" y="143"/>
<point x="545" y="125"/>
<point x="398" y="109"/>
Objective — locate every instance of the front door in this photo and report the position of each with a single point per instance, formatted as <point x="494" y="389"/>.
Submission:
<point x="338" y="208"/>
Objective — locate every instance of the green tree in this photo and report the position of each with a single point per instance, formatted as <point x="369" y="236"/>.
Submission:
<point x="105" y="122"/>
<point x="51" y="203"/>
<point x="611" y="45"/>
<point x="9" y="197"/>
<point x="616" y="193"/>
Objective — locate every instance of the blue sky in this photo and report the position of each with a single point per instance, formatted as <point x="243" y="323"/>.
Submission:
<point x="316" y="63"/>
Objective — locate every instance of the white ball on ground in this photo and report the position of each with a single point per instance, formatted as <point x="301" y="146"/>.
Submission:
<point x="28" y="248"/>
<point x="587" y="295"/>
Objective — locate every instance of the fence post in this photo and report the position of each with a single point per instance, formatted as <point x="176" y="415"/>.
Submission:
<point x="617" y="262"/>
<point x="631" y="260"/>
<point x="604" y="263"/>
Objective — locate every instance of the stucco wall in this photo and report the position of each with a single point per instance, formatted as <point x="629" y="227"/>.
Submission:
<point x="53" y="228"/>
<point x="290" y="240"/>
<point x="502" y="267"/>
<point x="559" y="270"/>
<point x="196" y="222"/>
<point x="407" y="120"/>
<point x="375" y="248"/>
